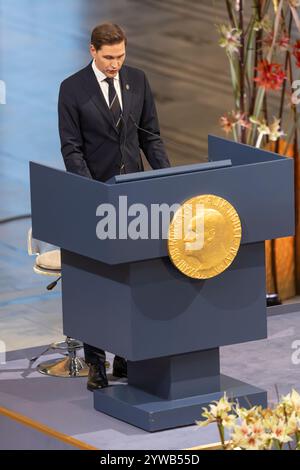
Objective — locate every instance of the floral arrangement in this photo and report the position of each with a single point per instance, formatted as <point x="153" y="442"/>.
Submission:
<point x="262" y="58"/>
<point x="256" y="428"/>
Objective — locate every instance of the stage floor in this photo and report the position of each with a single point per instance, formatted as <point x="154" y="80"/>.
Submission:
<point x="65" y="406"/>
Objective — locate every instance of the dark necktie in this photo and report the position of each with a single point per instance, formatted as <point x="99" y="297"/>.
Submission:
<point x="114" y="104"/>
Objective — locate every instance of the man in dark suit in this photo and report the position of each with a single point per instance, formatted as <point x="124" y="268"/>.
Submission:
<point x="106" y="115"/>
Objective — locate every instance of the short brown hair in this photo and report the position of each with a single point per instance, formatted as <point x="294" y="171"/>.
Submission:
<point x="107" y="33"/>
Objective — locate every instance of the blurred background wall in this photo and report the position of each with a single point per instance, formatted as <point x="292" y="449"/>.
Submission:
<point x="44" y="41"/>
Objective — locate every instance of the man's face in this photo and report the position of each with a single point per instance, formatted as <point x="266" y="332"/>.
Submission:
<point x="109" y="59"/>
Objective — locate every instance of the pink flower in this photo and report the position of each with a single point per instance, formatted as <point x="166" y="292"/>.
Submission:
<point x="229" y="120"/>
<point x="282" y="42"/>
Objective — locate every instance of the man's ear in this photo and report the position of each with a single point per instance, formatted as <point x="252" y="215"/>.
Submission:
<point x="92" y="50"/>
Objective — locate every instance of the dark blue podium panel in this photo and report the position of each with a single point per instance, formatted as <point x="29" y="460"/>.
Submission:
<point x="149" y="309"/>
<point x="68" y="219"/>
<point x="152" y="413"/>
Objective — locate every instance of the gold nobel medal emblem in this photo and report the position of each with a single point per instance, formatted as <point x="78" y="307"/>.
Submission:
<point x="204" y="236"/>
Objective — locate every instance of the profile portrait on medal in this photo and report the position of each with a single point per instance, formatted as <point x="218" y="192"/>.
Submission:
<point x="208" y="239"/>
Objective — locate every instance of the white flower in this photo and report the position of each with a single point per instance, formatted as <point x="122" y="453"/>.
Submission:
<point x="230" y="38"/>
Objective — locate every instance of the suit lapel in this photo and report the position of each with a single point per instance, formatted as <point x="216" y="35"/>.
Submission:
<point x="126" y="92"/>
<point x="95" y="92"/>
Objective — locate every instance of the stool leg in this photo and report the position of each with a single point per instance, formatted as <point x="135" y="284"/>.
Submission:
<point x="35" y="358"/>
<point x="70" y="366"/>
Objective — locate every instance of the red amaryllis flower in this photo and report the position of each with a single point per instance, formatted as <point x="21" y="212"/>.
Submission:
<point x="270" y="75"/>
<point x="296" y="52"/>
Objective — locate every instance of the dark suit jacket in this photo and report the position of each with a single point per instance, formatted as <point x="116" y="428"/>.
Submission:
<point x="90" y="144"/>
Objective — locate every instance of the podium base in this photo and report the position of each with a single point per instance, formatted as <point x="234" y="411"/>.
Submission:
<point x="152" y="413"/>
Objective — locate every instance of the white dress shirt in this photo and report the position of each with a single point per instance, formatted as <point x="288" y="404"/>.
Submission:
<point x="104" y="85"/>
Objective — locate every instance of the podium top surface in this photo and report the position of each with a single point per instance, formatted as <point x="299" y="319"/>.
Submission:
<point x="259" y="184"/>
<point x="165" y="172"/>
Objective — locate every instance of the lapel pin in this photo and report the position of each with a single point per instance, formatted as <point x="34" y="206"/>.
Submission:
<point x="127" y="86"/>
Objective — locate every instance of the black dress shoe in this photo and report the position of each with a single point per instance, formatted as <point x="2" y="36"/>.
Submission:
<point x="97" y="377"/>
<point x="119" y="367"/>
<point x="273" y="300"/>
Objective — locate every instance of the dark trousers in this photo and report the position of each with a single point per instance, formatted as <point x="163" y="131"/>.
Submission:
<point x="93" y="355"/>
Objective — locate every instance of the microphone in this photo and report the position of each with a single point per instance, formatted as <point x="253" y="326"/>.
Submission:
<point x="122" y="166"/>
<point x="53" y="284"/>
<point x="141" y="128"/>
<point x="155" y="135"/>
